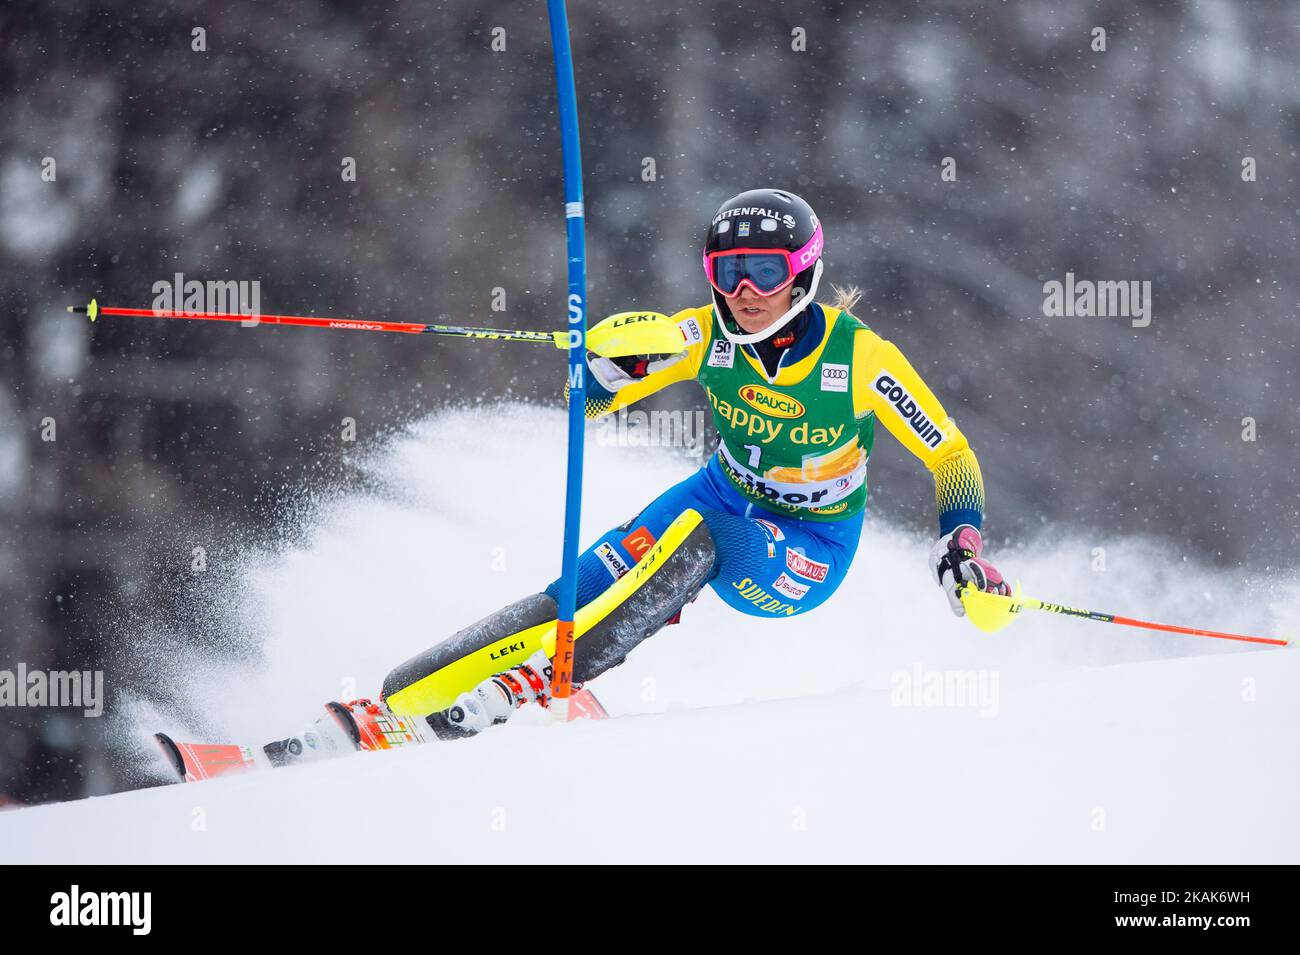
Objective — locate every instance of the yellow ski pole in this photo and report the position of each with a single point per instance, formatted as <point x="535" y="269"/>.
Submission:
<point x="992" y="612"/>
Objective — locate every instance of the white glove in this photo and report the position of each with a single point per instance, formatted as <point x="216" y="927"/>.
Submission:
<point x="955" y="561"/>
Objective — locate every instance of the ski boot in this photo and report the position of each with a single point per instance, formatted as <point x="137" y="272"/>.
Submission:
<point x="495" y="699"/>
<point x="354" y="726"/>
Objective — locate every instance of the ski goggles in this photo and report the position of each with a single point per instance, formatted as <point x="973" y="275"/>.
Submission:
<point x="766" y="271"/>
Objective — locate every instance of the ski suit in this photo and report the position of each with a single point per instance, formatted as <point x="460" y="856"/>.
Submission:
<point x="771" y="523"/>
<point x="785" y="494"/>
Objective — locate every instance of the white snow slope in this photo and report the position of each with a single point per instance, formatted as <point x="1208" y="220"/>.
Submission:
<point x="734" y="739"/>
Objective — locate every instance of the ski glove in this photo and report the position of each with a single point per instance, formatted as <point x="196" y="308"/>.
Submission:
<point x="955" y="560"/>
<point x="615" y="373"/>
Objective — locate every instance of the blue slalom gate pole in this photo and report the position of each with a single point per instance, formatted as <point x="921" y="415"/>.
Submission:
<point x="562" y="681"/>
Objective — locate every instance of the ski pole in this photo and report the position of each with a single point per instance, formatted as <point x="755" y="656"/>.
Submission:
<point x="558" y="339"/>
<point x="625" y="333"/>
<point x="992" y="612"/>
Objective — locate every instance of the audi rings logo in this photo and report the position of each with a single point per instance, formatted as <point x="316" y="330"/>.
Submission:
<point x="835" y="377"/>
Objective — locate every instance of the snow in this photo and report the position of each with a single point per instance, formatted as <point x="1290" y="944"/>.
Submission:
<point x="823" y="738"/>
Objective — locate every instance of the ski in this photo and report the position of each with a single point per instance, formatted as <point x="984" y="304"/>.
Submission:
<point x="357" y="726"/>
<point x="195" y="761"/>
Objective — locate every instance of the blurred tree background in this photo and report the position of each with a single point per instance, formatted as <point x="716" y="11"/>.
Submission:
<point x="1122" y="164"/>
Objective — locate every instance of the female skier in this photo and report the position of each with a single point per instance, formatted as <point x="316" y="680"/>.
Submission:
<point x="772" y="522"/>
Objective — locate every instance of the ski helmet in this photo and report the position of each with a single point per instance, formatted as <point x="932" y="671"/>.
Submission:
<point x="769" y="239"/>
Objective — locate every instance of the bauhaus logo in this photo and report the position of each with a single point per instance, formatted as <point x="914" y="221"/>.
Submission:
<point x="806" y="567"/>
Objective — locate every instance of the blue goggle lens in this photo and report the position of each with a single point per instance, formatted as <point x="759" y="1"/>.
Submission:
<point x="767" y="272"/>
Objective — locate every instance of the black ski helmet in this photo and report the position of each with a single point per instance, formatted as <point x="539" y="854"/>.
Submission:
<point x="767" y="219"/>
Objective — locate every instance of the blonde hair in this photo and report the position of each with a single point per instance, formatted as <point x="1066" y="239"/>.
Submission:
<point x="846" y="296"/>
